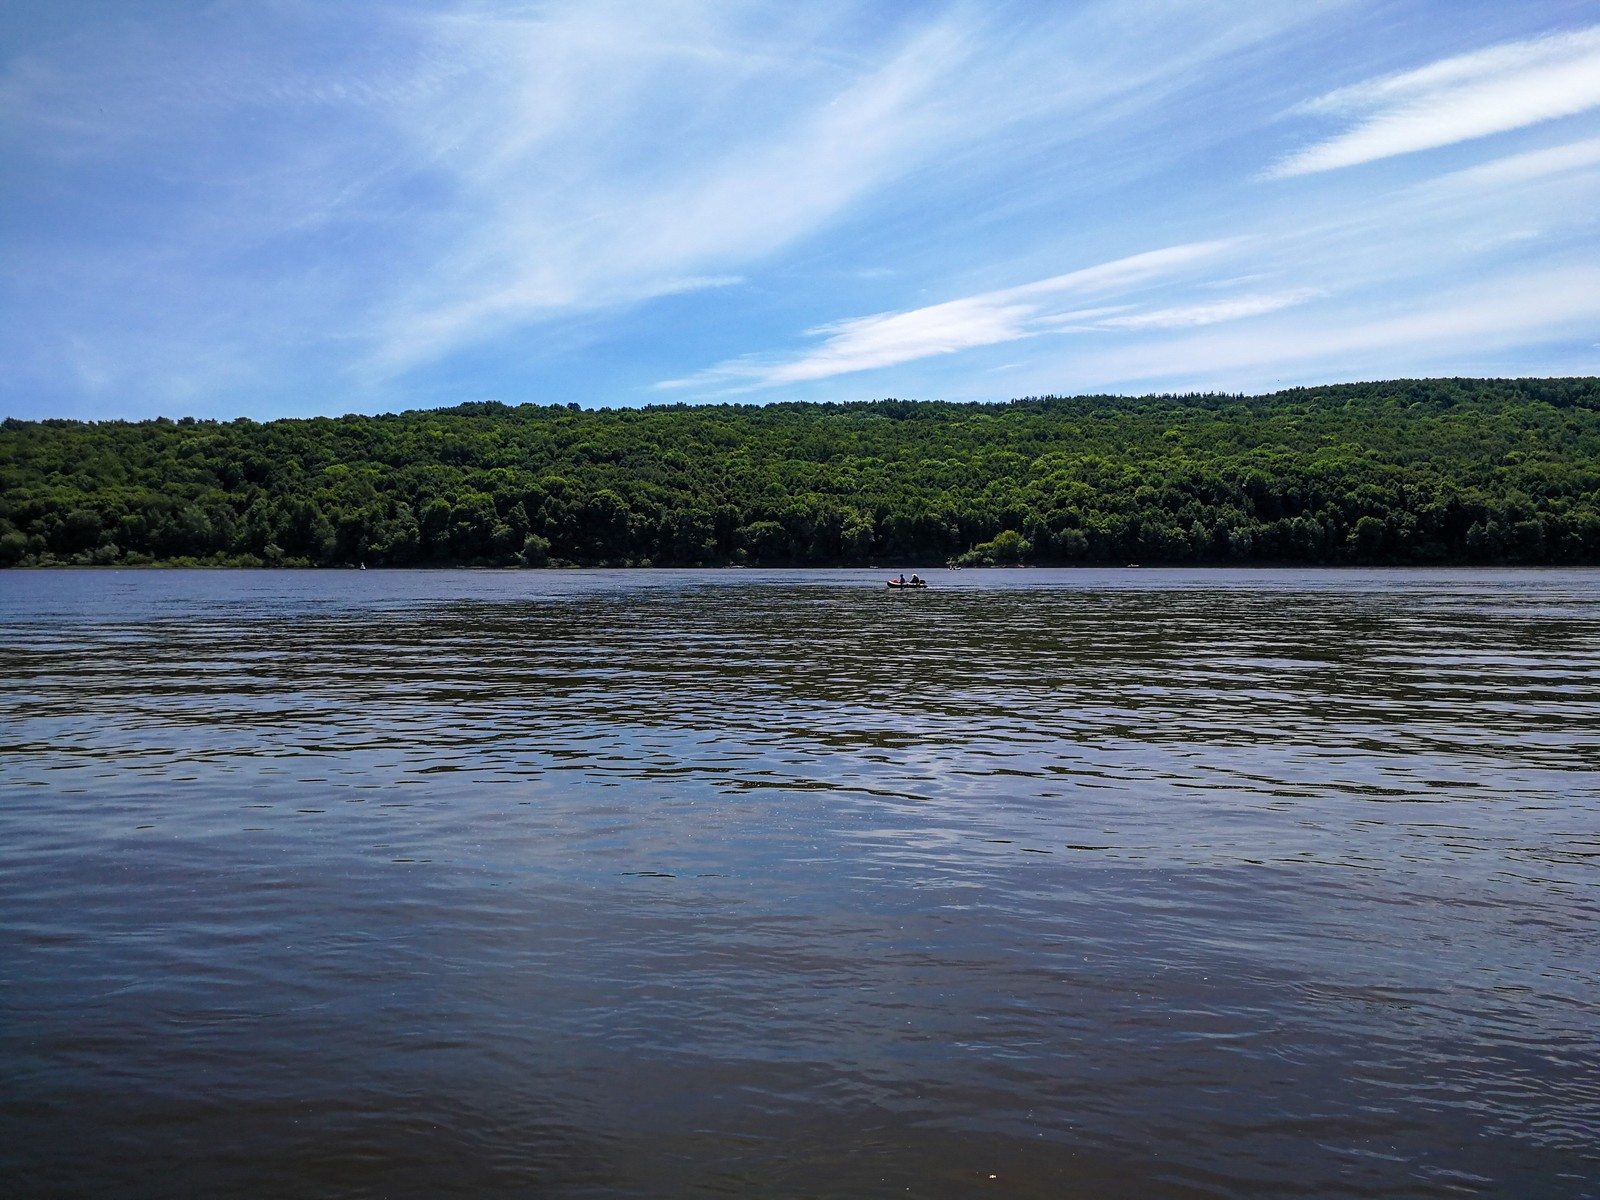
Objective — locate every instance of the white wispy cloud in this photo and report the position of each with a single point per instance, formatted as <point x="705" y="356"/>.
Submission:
<point x="288" y="205"/>
<point x="989" y="319"/>
<point x="1214" y="313"/>
<point x="1506" y="310"/>
<point x="1528" y="167"/>
<point x="750" y="147"/>
<point x="1455" y="100"/>
<point x="380" y="189"/>
<point x="577" y="198"/>
<point x="890" y="338"/>
<point x="1387" y="278"/>
<point x="1122" y="272"/>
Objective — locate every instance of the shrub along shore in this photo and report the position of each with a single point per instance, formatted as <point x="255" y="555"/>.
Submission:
<point x="1443" y="471"/>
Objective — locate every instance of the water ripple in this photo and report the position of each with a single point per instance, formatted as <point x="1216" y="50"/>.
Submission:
<point x="1141" y="883"/>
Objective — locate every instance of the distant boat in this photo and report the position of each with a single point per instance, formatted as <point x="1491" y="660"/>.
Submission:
<point x="362" y="567"/>
<point x="895" y="583"/>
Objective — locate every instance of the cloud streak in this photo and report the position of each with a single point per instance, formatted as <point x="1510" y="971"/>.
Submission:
<point x="1456" y="100"/>
<point x="1555" y="303"/>
<point x="1193" y="315"/>
<point x="1528" y="167"/>
<point x="797" y="140"/>
<point x="563" y="226"/>
<point x="991" y="318"/>
<point x="290" y="207"/>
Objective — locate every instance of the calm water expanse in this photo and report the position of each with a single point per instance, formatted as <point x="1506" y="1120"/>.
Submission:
<point x="670" y="883"/>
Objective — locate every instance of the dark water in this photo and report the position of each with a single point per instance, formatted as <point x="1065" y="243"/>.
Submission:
<point x="1101" y="884"/>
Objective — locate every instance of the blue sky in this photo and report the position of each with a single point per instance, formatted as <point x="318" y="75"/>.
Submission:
<point x="285" y="207"/>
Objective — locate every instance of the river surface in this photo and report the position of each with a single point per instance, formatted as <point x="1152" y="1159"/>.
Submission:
<point x="573" y="884"/>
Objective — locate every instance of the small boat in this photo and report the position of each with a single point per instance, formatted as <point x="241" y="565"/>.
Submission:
<point x="908" y="584"/>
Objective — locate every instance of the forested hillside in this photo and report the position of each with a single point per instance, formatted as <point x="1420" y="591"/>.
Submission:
<point x="1432" y="471"/>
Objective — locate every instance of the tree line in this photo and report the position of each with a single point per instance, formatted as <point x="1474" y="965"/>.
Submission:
<point x="1412" y="471"/>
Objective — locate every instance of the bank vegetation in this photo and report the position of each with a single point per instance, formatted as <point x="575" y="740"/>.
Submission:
<point x="1452" y="471"/>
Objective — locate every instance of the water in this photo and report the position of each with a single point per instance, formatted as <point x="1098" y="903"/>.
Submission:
<point x="626" y="884"/>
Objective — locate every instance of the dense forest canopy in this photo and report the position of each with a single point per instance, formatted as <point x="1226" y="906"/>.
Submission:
<point x="1415" y="471"/>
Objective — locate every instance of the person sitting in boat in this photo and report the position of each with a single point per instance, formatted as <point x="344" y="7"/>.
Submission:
<point x="915" y="582"/>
